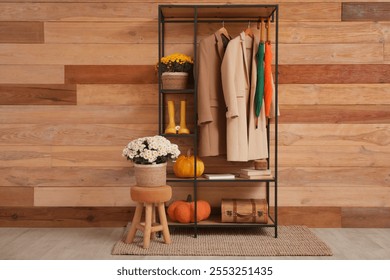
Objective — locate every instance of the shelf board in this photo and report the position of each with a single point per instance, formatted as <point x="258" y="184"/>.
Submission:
<point x="172" y="178"/>
<point x="178" y="91"/>
<point x="178" y="135"/>
<point x="215" y="221"/>
<point x="218" y="12"/>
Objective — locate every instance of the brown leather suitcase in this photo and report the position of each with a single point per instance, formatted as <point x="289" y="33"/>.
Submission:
<point x="244" y="211"/>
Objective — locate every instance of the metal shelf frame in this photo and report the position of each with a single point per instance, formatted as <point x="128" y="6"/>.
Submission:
<point x="230" y="13"/>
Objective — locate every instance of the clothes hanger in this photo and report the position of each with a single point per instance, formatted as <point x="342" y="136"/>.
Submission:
<point x="223" y="30"/>
<point x="268" y="27"/>
<point x="249" y="31"/>
<point x="261" y="30"/>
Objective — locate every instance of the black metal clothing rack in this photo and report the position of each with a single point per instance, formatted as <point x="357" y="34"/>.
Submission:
<point x="198" y="14"/>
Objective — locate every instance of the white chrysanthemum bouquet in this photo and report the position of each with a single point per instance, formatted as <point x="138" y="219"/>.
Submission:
<point x="151" y="150"/>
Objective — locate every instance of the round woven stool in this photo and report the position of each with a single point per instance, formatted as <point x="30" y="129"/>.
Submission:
<point x="151" y="198"/>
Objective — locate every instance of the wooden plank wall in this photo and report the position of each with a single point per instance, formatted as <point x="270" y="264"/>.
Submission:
<point x="77" y="83"/>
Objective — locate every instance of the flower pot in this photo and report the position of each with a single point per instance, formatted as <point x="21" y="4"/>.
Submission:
<point x="174" y="80"/>
<point x="150" y="175"/>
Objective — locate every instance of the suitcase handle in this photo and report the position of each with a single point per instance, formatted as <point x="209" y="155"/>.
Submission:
<point x="259" y="213"/>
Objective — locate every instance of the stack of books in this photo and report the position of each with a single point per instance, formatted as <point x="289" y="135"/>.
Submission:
<point x="251" y="173"/>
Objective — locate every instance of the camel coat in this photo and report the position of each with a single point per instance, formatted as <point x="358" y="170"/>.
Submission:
<point x="211" y="104"/>
<point x="245" y="141"/>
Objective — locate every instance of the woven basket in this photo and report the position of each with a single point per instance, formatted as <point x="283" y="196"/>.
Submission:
<point x="174" y="80"/>
<point x="150" y="175"/>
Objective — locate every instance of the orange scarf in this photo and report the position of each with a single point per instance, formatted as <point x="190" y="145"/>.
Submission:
<point x="268" y="83"/>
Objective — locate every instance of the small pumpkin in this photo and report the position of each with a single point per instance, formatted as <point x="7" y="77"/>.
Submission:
<point x="183" y="211"/>
<point x="184" y="166"/>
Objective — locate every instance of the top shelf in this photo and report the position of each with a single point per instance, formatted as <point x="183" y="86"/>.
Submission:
<point x="173" y="13"/>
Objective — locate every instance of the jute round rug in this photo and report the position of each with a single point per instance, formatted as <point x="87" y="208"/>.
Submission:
<point x="291" y="241"/>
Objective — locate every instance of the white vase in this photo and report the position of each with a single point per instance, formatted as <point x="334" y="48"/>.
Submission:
<point x="150" y="175"/>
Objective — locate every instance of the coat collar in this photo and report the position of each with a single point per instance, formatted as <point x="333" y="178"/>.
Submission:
<point x="255" y="43"/>
<point x="220" y="42"/>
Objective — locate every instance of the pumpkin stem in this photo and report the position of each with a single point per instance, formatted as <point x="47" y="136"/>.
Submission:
<point x="189" y="198"/>
<point x="189" y="152"/>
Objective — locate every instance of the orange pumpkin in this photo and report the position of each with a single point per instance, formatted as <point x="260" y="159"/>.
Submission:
<point x="184" y="166"/>
<point x="183" y="211"/>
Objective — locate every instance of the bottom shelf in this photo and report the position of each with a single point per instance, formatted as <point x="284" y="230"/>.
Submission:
<point x="215" y="221"/>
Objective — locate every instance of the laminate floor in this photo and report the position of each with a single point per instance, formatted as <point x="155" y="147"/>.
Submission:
<point x="96" y="244"/>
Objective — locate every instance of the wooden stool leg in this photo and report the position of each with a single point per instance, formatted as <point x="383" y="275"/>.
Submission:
<point x="153" y="234"/>
<point x="148" y="224"/>
<point x="164" y="222"/>
<point x="135" y="222"/>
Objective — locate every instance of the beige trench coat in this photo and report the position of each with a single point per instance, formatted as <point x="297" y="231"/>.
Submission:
<point x="211" y="103"/>
<point x="239" y="75"/>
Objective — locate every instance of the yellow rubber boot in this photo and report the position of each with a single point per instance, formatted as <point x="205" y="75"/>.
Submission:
<point x="171" y="128"/>
<point x="183" y="127"/>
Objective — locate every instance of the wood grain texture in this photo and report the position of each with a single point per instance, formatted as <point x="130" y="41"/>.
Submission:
<point x="78" y="115"/>
<point x="334" y="94"/>
<point x="329" y="217"/>
<point x="25" y="134"/>
<point x="387" y="50"/>
<point x="335" y="74"/>
<point x="102" y="134"/>
<point x="109" y="11"/>
<point x="21" y="32"/>
<point x="106" y="135"/>
<point x="362" y="53"/>
<point x="364" y="114"/>
<point x="65" y="216"/>
<point x="110" y="74"/>
<point x="101" y="32"/>
<point x="334" y="134"/>
<point x="334" y="177"/>
<point x="366" y="11"/>
<point x="25" y="156"/>
<point x="89" y="156"/>
<point x="79" y="54"/>
<point x="38" y="94"/>
<point x="307" y="32"/>
<point x="334" y="156"/>
<point x="82" y="196"/>
<point x="365" y="217"/>
<point x="335" y="115"/>
<point x="315" y="217"/>
<point x="299" y="32"/>
<point x="16" y="196"/>
<point x="299" y="11"/>
<point x="31" y="74"/>
<point x="73" y="11"/>
<point x="73" y="134"/>
<point x="117" y="94"/>
<point x="67" y="177"/>
<point x="328" y="197"/>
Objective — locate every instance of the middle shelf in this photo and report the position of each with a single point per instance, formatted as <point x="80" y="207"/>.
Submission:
<point x="172" y="178"/>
